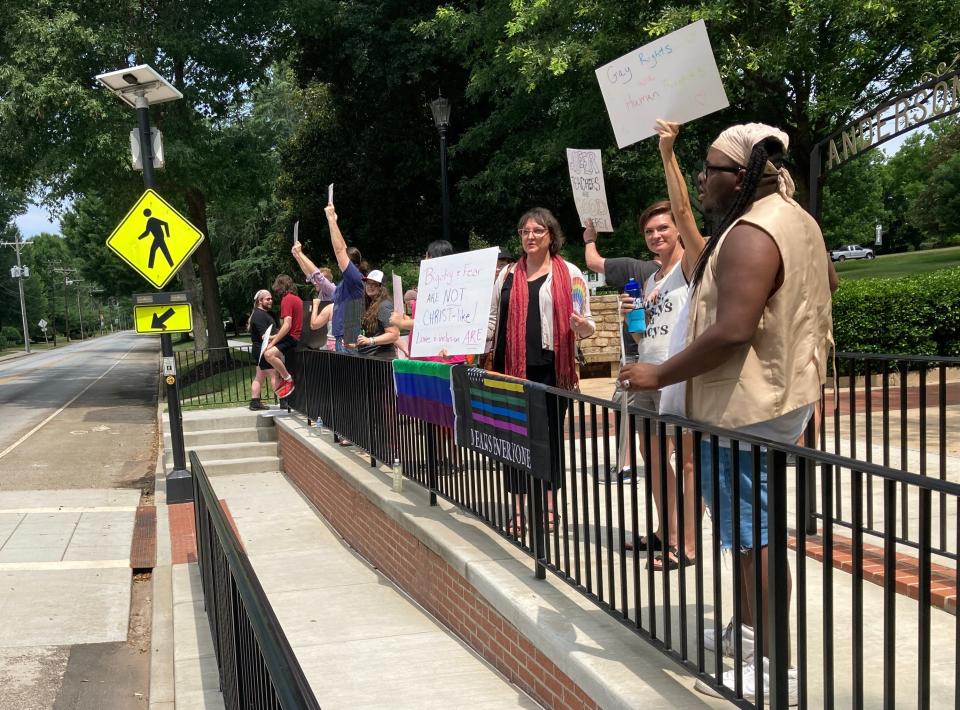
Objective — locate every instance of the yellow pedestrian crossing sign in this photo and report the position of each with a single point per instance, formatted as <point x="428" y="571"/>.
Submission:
<point x="154" y="319"/>
<point x="154" y="239"/>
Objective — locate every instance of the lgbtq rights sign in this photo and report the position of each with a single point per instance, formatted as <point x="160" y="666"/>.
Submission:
<point x="503" y="418"/>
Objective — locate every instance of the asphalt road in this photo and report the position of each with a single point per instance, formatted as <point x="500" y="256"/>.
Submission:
<point x="80" y="416"/>
<point x="79" y="422"/>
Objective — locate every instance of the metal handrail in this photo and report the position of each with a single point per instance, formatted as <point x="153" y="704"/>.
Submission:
<point x="288" y="684"/>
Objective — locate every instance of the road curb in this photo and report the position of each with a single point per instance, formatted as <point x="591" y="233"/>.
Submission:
<point x="162" y="686"/>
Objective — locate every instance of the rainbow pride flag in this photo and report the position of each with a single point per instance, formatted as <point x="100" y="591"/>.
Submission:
<point x="423" y="391"/>
<point x="502" y="417"/>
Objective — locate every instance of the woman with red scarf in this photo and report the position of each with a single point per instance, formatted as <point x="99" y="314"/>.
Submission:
<point x="540" y="307"/>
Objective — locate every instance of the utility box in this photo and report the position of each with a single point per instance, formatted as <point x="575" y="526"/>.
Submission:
<point x="136" y="155"/>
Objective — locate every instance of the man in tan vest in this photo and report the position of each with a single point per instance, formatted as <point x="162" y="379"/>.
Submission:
<point x="759" y="334"/>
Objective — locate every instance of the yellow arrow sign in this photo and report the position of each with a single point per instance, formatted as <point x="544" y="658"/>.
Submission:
<point x="154" y="239"/>
<point x="174" y="318"/>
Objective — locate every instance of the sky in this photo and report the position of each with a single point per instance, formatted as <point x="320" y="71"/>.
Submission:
<point x="36" y="219"/>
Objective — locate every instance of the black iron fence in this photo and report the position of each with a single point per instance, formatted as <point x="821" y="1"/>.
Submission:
<point x="835" y="630"/>
<point x="902" y="412"/>
<point x="216" y="377"/>
<point x="258" y="669"/>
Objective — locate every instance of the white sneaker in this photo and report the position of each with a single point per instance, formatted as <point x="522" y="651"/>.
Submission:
<point x="750" y="684"/>
<point x="727" y="641"/>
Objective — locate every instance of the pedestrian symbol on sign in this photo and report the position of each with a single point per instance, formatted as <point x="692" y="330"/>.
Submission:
<point x="151" y="226"/>
<point x="160" y="230"/>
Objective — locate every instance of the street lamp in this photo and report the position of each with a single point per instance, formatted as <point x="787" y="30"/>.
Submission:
<point x="441" y="119"/>
<point x="139" y="87"/>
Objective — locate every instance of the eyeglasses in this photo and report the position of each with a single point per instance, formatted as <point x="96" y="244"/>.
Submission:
<point x="707" y="167"/>
<point x="536" y="231"/>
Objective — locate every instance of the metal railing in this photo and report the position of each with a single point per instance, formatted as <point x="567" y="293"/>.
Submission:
<point x="840" y="622"/>
<point x="895" y="410"/>
<point x="364" y="412"/>
<point x="215" y="377"/>
<point x="258" y="669"/>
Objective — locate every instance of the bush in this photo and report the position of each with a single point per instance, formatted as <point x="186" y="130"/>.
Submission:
<point x="919" y="315"/>
<point x="10" y="335"/>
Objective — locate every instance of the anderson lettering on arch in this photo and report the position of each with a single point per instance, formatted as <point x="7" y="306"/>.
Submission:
<point x="937" y="97"/>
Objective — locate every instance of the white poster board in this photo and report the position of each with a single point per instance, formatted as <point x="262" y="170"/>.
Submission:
<point x="674" y="78"/>
<point x="589" y="192"/>
<point x="397" y="294"/>
<point x="263" y="345"/>
<point x="453" y="303"/>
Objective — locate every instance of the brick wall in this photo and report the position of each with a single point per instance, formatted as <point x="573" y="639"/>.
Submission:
<point x="426" y="577"/>
<point x="604" y="346"/>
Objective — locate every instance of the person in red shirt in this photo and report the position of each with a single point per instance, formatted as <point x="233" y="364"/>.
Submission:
<point x="288" y="336"/>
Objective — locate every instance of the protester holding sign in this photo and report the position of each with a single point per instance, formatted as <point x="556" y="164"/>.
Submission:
<point x="435" y="250"/>
<point x="349" y="293"/>
<point x="671" y="233"/>
<point x="261" y="320"/>
<point x="765" y="266"/>
<point x="540" y="306"/>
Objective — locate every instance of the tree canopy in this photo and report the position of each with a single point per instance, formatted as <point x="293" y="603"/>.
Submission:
<point x="283" y="97"/>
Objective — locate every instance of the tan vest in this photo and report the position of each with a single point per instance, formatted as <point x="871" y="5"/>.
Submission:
<point x="784" y="365"/>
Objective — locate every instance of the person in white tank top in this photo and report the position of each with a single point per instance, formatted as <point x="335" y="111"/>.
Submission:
<point x="673" y="235"/>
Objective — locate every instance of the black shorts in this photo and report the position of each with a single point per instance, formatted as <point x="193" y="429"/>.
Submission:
<point x="286" y="344"/>
<point x="262" y="363"/>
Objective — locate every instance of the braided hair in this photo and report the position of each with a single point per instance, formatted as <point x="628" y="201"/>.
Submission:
<point x="768" y="149"/>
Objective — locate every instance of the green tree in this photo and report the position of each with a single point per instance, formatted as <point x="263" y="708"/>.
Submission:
<point x="853" y="202"/>
<point x="70" y="137"/>
<point x="935" y="206"/>
<point x="51" y="265"/>
<point x="806" y="67"/>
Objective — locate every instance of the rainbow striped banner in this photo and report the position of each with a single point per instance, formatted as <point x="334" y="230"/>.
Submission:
<point x="423" y="391"/>
<point x="502" y="417"/>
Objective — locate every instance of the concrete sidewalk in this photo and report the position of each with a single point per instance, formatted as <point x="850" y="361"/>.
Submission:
<point x="64" y="581"/>
<point x="360" y="641"/>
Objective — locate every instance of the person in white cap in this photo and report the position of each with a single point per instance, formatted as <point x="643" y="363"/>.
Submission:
<point x="378" y="336"/>
<point x="766" y="265"/>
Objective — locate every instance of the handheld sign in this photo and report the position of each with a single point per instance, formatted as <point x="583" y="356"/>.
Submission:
<point x="397" y="294"/>
<point x="263" y="346"/>
<point x="674" y="78"/>
<point x="589" y="192"/>
<point x="453" y="303"/>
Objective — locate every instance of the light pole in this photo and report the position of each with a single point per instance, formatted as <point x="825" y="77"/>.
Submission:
<point x="441" y="119"/>
<point x="20" y="272"/>
<point x="66" y="318"/>
<point x="140" y="87"/>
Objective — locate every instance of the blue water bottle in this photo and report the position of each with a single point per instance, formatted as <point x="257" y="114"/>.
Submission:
<point x="637" y="318"/>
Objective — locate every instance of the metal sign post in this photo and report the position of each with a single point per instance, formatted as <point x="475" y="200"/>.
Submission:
<point x="133" y="86"/>
<point x="179" y="483"/>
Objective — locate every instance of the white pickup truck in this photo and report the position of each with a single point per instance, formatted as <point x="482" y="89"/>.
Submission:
<point x="851" y="251"/>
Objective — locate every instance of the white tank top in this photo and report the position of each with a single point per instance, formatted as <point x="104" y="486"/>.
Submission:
<point x="665" y="300"/>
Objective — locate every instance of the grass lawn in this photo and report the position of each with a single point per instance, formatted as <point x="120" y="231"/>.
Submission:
<point x="899" y="265"/>
<point x="10" y="349"/>
<point x="225" y="389"/>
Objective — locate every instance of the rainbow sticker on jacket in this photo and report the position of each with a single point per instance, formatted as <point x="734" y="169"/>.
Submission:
<point x="579" y="288"/>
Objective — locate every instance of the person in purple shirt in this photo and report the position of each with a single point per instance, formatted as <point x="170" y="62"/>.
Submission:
<point x="325" y="287"/>
<point x="349" y="293"/>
